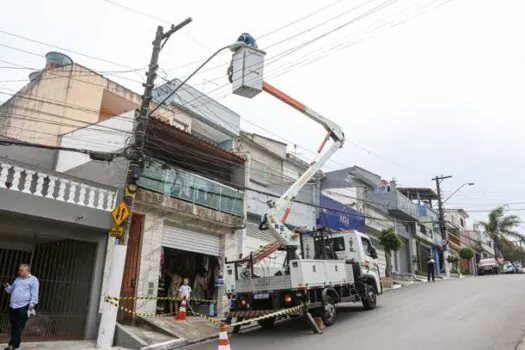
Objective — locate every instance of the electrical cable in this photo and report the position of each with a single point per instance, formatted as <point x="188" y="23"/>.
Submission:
<point x="67" y="50"/>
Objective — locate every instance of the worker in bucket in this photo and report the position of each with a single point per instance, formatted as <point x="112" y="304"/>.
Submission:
<point x="248" y="40"/>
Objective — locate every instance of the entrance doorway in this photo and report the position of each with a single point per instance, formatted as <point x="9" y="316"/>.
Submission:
<point x="64" y="268"/>
<point x="131" y="271"/>
<point x="201" y="270"/>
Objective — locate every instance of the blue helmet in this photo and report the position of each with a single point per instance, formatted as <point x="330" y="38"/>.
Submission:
<point x="247" y="39"/>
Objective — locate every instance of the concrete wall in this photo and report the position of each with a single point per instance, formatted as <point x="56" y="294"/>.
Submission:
<point x="43" y="158"/>
<point x="109" y="135"/>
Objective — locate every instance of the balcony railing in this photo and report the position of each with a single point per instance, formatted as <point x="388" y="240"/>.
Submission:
<point x="163" y="178"/>
<point x="394" y="201"/>
<point x="31" y="180"/>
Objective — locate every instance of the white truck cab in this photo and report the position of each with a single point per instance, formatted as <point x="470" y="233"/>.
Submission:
<point x="348" y="245"/>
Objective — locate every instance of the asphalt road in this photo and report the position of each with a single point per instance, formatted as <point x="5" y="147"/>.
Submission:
<point x="475" y="313"/>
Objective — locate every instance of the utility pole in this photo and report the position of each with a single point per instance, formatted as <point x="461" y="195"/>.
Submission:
<point x="442" y="228"/>
<point x="123" y="212"/>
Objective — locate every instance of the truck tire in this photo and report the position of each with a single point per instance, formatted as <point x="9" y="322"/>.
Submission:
<point x="329" y="311"/>
<point x="369" y="298"/>
<point x="267" y="323"/>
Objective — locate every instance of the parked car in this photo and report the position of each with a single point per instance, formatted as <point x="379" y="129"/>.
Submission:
<point x="508" y="267"/>
<point x="488" y="266"/>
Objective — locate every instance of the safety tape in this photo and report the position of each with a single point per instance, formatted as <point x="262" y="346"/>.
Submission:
<point x="161" y="298"/>
<point x="135" y="313"/>
<point x="206" y="317"/>
<point x="282" y="312"/>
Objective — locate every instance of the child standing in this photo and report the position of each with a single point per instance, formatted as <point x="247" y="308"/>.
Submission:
<point x="185" y="290"/>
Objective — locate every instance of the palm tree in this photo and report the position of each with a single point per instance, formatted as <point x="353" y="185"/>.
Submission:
<point x="501" y="227"/>
<point x="391" y="242"/>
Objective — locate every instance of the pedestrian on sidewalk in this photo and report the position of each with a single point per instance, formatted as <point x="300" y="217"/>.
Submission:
<point x="431" y="263"/>
<point x="24" y="297"/>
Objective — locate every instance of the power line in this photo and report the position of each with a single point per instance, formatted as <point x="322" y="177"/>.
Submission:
<point x="68" y="50"/>
<point x="317" y="11"/>
<point x="160" y="20"/>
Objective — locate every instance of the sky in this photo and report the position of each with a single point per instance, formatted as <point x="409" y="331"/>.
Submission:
<point x="420" y="87"/>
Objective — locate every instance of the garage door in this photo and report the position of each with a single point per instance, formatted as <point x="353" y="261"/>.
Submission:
<point x="252" y="230"/>
<point x="179" y="238"/>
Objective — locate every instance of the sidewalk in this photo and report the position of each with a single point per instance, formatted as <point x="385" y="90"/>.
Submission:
<point x="63" y="345"/>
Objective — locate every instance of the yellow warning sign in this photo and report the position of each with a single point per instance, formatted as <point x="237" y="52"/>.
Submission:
<point x="120" y="213"/>
<point x="116" y="231"/>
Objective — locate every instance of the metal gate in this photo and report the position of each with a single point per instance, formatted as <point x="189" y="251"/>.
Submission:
<point x="64" y="269"/>
<point x="191" y="241"/>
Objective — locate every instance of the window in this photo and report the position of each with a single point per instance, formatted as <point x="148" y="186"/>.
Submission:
<point x="367" y="246"/>
<point x="462" y="222"/>
<point x="338" y="244"/>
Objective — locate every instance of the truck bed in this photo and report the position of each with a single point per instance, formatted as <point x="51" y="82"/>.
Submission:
<point x="304" y="273"/>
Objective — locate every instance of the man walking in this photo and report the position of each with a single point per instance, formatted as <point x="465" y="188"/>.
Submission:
<point x="24" y="297"/>
<point x="431" y="263"/>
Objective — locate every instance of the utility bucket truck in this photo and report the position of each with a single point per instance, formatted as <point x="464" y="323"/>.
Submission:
<point x="321" y="269"/>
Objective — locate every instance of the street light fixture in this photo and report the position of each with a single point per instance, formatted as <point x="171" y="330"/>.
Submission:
<point x="459" y="188"/>
<point x="233" y="47"/>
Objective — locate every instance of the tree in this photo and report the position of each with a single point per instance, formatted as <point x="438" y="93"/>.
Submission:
<point x="453" y="259"/>
<point x="391" y="242"/>
<point x="511" y="251"/>
<point x="500" y="226"/>
<point x="467" y="253"/>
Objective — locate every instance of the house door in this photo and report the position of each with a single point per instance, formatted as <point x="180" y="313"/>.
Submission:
<point x="132" y="267"/>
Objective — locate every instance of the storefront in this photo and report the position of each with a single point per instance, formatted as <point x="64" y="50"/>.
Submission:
<point x="192" y="255"/>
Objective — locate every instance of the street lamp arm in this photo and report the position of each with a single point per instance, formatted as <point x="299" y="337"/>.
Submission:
<point x="457" y="190"/>
<point x="189" y="77"/>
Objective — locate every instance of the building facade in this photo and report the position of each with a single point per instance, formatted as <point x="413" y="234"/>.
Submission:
<point x="57" y="223"/>
<point x="190" y="208"/>
<point x="360" y="189"/>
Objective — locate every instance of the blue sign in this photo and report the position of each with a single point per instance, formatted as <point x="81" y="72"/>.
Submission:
<point x="339" y="217"/>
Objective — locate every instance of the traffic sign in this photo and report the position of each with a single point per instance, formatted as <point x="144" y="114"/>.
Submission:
<point x="116" y="231"/>
<point x="120" y="213"/>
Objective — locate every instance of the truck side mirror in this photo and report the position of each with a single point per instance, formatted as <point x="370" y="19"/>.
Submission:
<point x="373" y="253"/>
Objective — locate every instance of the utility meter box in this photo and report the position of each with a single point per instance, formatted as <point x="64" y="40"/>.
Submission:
<point x="248" y="66"/>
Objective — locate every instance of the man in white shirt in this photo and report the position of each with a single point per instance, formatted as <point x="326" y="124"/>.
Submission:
<point x="24" y="297"/>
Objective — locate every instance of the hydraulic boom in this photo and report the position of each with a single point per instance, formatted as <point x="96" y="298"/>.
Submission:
<point x="279" y="210"/>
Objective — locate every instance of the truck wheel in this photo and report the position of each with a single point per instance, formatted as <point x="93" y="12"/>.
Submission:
<point x="266" y="323"/>
<point x="329" y="311"/>
<point x="369" y="297"/>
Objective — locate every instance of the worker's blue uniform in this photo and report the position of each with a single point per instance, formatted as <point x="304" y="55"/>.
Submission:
<point x="247" y="39"/>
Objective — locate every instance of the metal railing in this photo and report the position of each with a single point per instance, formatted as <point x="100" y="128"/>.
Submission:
<point x="25" y="178"/>
<point x="164" y="178"/>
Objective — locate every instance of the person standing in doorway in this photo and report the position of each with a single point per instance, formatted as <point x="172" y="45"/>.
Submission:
<point x="24" y="298"/>
<point x="431" y="263"/>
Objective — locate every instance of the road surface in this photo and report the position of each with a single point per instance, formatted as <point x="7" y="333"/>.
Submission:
<point x="475" y="313"/>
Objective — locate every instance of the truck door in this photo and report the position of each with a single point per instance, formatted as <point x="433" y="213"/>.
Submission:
<point x="369" y="262"/>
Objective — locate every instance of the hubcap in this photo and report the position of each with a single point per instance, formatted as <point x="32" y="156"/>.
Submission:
<point x="330" y="309"/>
<point x="372" y="296"/>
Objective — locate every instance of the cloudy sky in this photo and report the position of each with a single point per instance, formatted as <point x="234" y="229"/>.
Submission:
<point x="420" y="87"/>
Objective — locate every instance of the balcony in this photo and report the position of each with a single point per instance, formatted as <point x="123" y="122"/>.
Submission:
<point x="395" y="203"/>
<point x="168" y="180"/>
<point x="52" y="195"/>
